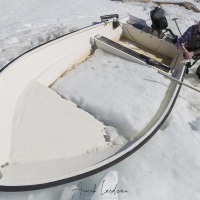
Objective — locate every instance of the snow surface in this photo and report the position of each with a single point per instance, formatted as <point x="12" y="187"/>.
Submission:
<point x="168" y="166"/>
<point x="109" y="88"/>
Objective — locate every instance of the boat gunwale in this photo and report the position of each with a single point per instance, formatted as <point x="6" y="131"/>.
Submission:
<point x="83" y="29"/>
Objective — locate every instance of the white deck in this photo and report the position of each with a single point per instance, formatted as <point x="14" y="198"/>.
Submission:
<point x="49" y="127"/>
<point x="48" y="138"/>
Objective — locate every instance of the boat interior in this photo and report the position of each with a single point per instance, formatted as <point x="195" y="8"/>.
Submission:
<point x="41" y="128"/>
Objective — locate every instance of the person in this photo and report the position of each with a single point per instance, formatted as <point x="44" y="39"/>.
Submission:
<point x="189" y="43"/>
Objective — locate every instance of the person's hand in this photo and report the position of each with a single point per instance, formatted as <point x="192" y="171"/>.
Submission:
<point x="196" y="52"/>
<point x="189" y="55"/>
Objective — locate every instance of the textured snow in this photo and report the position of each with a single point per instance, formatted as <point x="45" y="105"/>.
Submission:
<point x="102" y="78"/>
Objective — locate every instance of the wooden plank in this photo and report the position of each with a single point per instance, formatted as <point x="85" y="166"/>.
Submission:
<point x="180" y="82"/>
<point x="145" y="51"/>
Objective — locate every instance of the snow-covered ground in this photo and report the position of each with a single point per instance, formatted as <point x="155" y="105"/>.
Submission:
<point x="168" y="166"/>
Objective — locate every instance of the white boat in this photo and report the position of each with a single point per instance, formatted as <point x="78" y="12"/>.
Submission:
<point x="32" y="111"/>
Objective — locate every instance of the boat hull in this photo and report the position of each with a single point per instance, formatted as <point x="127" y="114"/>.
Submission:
<point x="41" y="67"/>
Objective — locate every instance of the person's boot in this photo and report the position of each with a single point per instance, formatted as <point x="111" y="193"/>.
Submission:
<point x="198" y="71"/>
<point x="187" y="65"/>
